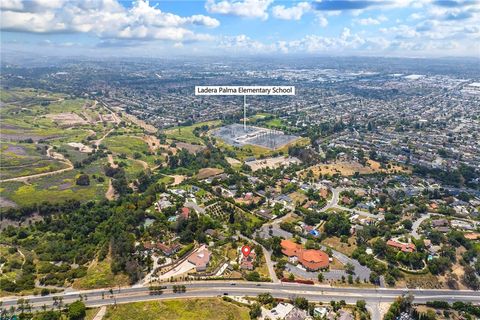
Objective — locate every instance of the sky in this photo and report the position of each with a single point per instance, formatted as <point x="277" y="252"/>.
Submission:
<point x="400" y="28"/>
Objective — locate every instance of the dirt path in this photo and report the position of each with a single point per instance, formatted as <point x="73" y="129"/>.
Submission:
<point x="152" y="141"/>
<point x="99" y="141"/>
<point x="101" y="313"/>
<point x="177" y="179"/>
<point x="143" y="163"/>
<point x="53" y="155"/>
<point x="23" y="256"/>
<point x="147" y="127"/>
<point x="111" y="162"/>
<point x="110" y="194"/>
<point x="114" y="115"/>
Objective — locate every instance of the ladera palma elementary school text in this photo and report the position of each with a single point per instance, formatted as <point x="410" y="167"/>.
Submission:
<point x="245" y="90"/>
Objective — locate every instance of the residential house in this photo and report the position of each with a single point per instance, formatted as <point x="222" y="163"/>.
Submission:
<point x="200" y="259"/>
<point x="439" y="223"/>
<point x="247" y="262"/>
<point x="169" y="249"/>
<point x="404" y="247"/>
<point x="279" y="312"/>
<point x="312" y="260"/>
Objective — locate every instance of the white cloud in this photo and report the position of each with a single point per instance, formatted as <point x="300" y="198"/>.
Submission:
<point x="291" y="13"/>
<point x="368" y="21"/>
<point x="382" y="18"/>
<point x="105" y="18"/>
<point x="416" y="16"/>
<point x="244" y="44"/>
<point x="309" y="44"/>
<point x="400" y="32"/>
<point x="371" y="21"/>
<point x="245" y="8"/>
<point x="11" y="5"/>
<point x="322" y="21"/>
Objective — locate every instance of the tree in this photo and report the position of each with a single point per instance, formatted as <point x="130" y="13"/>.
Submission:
<point x="265" y="298"/>
<point x="337" y="224"/>
<point x="362" y="305"/>
<point x="374" y="278"/>
<point x="320" y="277"/>
<point x="407" y="224"/>
<point x="76" y="310"/>
<point x="301" y="303"/>
<point x="83" y="180"/>
<point x="255" y="311"/>
<point x="350" y="268"/>
<point x="470" y="279"/>
<point x="380" y="247"/>
<point x="253" y="276"/>
<point x="48" y="315"/>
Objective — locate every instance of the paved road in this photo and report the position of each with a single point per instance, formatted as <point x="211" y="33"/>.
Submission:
<point x="359" y="212"/>
<point x="416" y="225"/>
<point x="304" y="274"/>
<point x="268" y="259"/>
<point x="200" y="289"/>
<point x="361" y="271"/>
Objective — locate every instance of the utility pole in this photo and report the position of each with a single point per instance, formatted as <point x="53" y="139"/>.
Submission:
<point x="245" y="113"/>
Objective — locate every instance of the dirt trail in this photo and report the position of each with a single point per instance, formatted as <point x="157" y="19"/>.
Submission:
<point x="111" y="162"/>
<point x="53" y="155"/>
<point x="101" y="313"/>
<point x="99" y="141"/>
<point x="147" y="127"/>
<point x="152" y="141"/>
<point x="110" y="194"/>
<point x="177" y="179"/>
<point x="143" y="163"/>
<point x="23" y="256"/>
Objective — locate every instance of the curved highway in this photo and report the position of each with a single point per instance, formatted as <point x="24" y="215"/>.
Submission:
<point x="203" y="289"/>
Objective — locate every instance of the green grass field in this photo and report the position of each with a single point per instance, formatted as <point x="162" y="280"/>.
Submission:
<point x="99" y="275"/>
<point x="22" y="159"/>
<point x="132" y="168"/>
<point x="12" y="265"/>
<point x="185" y="134"/>
<point x="125" y="144"/>
<point x="274" y="123"/>
<point x="41" y="166"/>
<point x="184" y="309"/>
<point x="57" y="188"/>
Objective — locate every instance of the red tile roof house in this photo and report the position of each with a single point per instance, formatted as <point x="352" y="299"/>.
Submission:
<point x="347" y="200"/>
<point x="168" y="250"/>
<point x="312" y="260"/>
<point x="405" y="247"/>
<point x="200" y="259"/>
<point x="247" y="262"/>
<point x="185" y="213"/>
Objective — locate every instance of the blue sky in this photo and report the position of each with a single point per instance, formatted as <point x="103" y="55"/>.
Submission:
<point x="410" y="28"/>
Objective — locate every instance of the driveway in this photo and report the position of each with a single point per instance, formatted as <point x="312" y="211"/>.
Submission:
<point x="328" y="275"/>
<point x="417" y="223"/>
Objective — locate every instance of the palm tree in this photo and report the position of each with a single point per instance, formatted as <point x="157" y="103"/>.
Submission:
<point x="60" y="303"/>
<point x="21" y="306"/>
